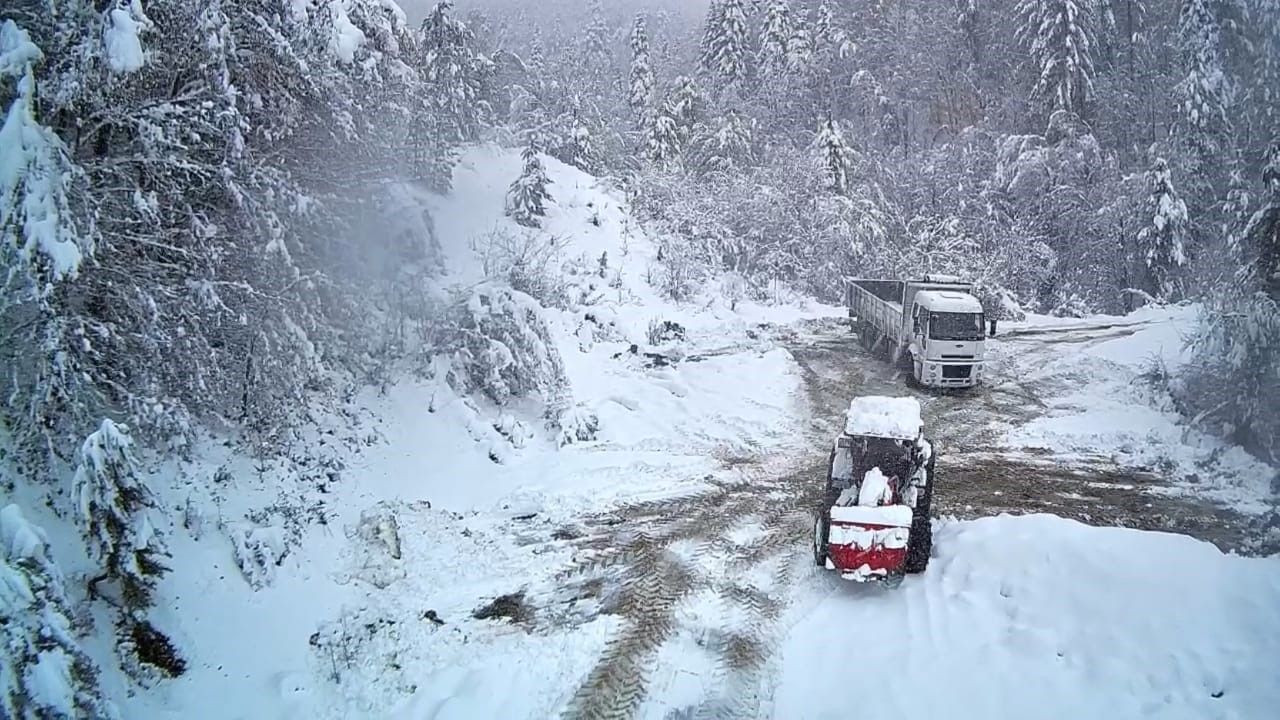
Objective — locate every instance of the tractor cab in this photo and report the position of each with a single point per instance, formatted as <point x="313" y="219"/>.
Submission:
<point x="873" y="522"/>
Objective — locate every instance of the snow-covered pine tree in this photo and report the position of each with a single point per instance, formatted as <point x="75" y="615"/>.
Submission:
<point x="45" y="233"/>
<point x="641" y="80"/>
<point x="824" y="32"/>
<point x="715" y="16"/>
<point x="458" y="77"/>
<point x="1264" y="17"/>
<point x="1261" y="238"/>
<point x="597" y="46"/>
<point x="44" y="673"/>
<point x="687" y="105"/>
<point x="723" y="146"/>
<point x="1060" y="36"/>
<point x="775" y="41"/>
<point x="1234" y="377"/>
<point x="726" y="42"/>
<point x="1162" y="241"/>
<point x="527" y="196"/>
<point x="833" y="155"/>
<point x="114" y="508"/>
<point x="662" y="136"/>
<point x="800" y="47"/>
<point x="1204" y="94"/>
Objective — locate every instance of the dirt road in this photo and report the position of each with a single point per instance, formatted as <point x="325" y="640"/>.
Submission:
<point x="711" y="570"/>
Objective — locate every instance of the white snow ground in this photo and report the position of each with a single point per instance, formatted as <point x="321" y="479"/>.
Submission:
<point x="422" y="526"/>
<point x="1041" y="617"/>
<point x="1099" y="405"/>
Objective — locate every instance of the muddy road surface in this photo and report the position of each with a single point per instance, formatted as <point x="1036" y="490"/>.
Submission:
<point x="711" y="571"/>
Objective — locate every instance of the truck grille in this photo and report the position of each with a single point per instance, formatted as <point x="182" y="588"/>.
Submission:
<point x="951" y="372"/>
<point x="957" y="357"/>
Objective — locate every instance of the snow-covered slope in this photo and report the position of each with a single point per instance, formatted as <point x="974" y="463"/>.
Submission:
<point x="337" y="628"/>
<point x="1041" y="617"/>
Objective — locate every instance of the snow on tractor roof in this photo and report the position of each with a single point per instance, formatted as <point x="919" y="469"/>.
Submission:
<point x="948" y="301"/>
<point x="886" y="417"/>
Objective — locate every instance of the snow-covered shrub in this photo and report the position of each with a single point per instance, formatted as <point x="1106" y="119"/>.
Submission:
<point x="43" y="671"/>
<point x="528" y="261"/>
<point x="664" y="331"/>
<point x="258" y="552"/>
<point x="501" y="346"/>
<point x="114" y="512"/>
<point x="1072" y="306"/>
<point x="578" y="424"/>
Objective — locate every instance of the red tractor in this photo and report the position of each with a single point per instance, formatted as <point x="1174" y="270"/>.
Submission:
<point x="873" y="523"/>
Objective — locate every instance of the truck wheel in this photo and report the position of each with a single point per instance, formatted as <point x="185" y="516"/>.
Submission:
<point x="821" y="534"/>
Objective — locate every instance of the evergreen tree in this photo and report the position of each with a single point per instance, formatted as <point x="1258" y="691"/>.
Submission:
<point x="727" y="41"/>
<point x="1264" y="16"/>
<point x="458" y="76"/>
<point x="527" y="196"/>
<point x="723" y="146"/>
<point x="1060" y="37"/>
<point x="1163" y="239"/>
<point x="775" y="40"/>
<point x="824" y="33"/>
<point x="833" y="155"/>
<point x="1261" y="237"/>
<point x="662" y="137"/>
<point x="1204" y="92"/>
<point x="44" y="673"/>
<point x="598" y="56"/>
<point x="687" y="104"/>
<point x="1234" y="377"/>
<point x="642" y="80"/>
<point x="114" y="512"/>
<point x="800" y="47"/>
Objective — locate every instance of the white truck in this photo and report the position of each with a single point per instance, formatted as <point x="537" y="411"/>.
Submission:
<point x="936" y="324"/>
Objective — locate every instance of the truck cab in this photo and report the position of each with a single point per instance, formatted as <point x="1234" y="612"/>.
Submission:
<point x="947" y="336"/>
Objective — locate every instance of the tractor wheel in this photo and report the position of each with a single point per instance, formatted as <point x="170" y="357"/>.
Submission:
<point x="821" y="534"/>
<point x="919" y="545"/>
<point x="920" y="541"/>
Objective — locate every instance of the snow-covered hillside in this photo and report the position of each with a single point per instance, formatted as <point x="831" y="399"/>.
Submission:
<point x="336" y="626"/>
<point x="431" y="555"/>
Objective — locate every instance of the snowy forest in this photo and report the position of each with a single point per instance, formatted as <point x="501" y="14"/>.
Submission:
<point x="208" y="216"/>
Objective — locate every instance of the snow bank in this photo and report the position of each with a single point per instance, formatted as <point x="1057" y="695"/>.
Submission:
<point x="1037" y="616"/>
<point x="21" y="538"/>
<point x="886" y="417"/>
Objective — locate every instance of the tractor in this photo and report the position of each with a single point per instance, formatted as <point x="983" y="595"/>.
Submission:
<point x="873" y="522"/>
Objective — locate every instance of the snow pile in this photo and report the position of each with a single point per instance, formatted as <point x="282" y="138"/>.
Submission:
<point x="886" y="417"/>
<point x="120" y="37"/>
<point x="1103" y="406"/>
<point x="345" y="38"/>
<point x="875" y="489"/>
<point x="1037" y="616"/>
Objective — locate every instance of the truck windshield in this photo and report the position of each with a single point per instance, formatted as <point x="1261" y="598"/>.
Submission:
<point x="955" y="326"/>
